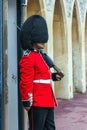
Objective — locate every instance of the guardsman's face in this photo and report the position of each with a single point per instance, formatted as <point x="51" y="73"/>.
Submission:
<point x="39" y="46"/>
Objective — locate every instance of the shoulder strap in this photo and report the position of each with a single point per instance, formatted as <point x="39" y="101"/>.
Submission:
<point x="26" y="52"/>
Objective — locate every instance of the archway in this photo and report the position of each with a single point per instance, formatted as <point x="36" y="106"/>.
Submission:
<point x="33" y="7"/>
<point x="36" y="7"/>
<point x="75" y="50"/>
<point x="59" y="46"/>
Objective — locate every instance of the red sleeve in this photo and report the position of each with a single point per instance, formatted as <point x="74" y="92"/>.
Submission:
<point x="26" y="79"/>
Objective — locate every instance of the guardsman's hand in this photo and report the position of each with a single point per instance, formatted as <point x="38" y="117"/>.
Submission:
<point x="27" y="108"/>
<point x="58" y="76"/>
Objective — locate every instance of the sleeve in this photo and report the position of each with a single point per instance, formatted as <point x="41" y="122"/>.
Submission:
<point x="26" y="80"/>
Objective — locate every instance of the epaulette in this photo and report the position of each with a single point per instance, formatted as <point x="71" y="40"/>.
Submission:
<point x="26" y="52"/>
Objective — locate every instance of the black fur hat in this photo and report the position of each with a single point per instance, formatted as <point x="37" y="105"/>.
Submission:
<point x="34" y="30"/>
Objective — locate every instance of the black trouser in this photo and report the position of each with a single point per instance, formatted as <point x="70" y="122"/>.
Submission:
<point x="41" y="118"/>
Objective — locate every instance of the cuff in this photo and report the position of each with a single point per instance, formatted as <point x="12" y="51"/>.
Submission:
<point x="26" y="103"/>
<point x="54" y="78"/>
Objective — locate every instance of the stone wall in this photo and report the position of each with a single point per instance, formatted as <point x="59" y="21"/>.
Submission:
<point x="67" y="26"/>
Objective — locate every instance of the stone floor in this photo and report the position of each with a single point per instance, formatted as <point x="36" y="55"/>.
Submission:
<point x="72" y="114"/>
<point x="69" y="115"/>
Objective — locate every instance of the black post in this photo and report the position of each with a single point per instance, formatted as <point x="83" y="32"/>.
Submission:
<point x="20" y="106"/>
<point x="1" y="70"/>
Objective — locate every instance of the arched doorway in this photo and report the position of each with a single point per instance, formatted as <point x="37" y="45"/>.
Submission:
<point x="75" y="50"/>
<point x="59" y="46"/>
<point x="33" y="7"/>
<point x="36" y="7"/>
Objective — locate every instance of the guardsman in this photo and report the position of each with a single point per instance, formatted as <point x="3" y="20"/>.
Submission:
<point x="35" y="76"/>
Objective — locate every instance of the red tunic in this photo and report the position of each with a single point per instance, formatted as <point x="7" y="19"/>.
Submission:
<point x="33" y="67"/>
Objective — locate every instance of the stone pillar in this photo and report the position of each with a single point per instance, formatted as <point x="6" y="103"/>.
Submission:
<point x="49" y="8"/>
<point x="81" y="5"/>
<point x="82" y="74"/>
<point x="86" y="47"/>
<point x="64" y="88"/>
<point x="69" y="61"/>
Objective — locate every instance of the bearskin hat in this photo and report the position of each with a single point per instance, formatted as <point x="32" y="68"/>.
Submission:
<point x="34" y="30"/>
